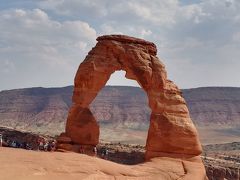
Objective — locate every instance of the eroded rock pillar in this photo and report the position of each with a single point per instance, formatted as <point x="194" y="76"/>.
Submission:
<point x="82" y="127"/>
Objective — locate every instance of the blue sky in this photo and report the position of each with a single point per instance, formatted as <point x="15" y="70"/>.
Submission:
<point x="43" y="42"/>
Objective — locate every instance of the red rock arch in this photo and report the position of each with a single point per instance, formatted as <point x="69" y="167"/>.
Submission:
<point x="171" y="129"/>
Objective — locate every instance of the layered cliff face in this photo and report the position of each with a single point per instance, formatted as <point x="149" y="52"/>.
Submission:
<point x="216" y="113"/>
<point x="214" y="106"/>
<point x="42" y="110"/>
<point x="125" y="109"/>
<point x="122" y="106"/>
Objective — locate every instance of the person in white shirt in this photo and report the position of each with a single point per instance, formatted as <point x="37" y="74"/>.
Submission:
<point x="1" y="140"/>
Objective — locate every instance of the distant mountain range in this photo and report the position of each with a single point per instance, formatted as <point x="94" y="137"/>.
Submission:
<point x="121" y="111"/>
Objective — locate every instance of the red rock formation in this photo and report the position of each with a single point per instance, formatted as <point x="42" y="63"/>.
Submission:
<point x="171" y="130"/>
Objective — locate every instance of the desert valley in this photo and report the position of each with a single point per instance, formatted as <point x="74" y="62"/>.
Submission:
<point x="121" y="110"/>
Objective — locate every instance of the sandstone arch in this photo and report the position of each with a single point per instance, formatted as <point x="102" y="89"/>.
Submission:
<point x="171" y="130"/>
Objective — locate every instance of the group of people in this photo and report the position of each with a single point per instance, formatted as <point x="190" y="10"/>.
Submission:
<point x="103" y="153"/>
<point x="14" y="143"/>
<point x="45" y="145"/>
<point x="41" y="144"/>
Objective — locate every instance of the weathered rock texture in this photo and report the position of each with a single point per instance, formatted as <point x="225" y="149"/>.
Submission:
<point x="171" y="130"/>
<point x="29" y="165"/>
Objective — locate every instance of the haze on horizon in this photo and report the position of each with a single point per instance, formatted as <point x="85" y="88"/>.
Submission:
<point x="43" y="42"/>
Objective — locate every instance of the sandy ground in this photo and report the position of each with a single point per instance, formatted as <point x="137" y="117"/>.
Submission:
<point x="20" y="164"/>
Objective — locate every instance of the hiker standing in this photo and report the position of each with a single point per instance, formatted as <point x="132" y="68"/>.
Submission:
<point x="46" y="146"/>
<point x="1" y="140"/>
<point x="41" y="146"/>
<point x="53" y="145"/>
<point x="106" y="154"/>
<point x="81" y="149"/>
<point x="103" y="152"/>
<point x="95" y="151"/>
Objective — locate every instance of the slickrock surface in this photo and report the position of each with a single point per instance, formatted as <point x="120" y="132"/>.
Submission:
<point x="31" y="165"/>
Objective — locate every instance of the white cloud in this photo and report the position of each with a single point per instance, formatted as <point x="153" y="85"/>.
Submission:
<point x="94" y="8"/>
<point x="145" y="33"/>
<point x="115" y="28"/>
<point x="7" y="66"/>
<point x="236" y="37"/>
<point x="109" y="28"/>
<point x="32" y="40"/>
<point x="201" y="37"/>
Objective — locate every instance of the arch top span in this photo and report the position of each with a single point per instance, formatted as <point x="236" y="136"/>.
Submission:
<point x="171" y="129"/>
<point x="130" y="40"/>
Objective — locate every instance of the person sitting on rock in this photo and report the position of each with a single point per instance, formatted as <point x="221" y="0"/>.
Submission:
<point x="103" y="152"/>
<point x="14" y="144"/>
<point x="45" y="146"/>
<point x="95" y="151"/>
<point x="81" y="149"/>
<point x="53" y="145"/>
<point x="8" y="143"/>
<point x="106" y="154"/>
<point x="49" y="147"/>
<point x="40" y="146"/>
<point x="1" y="140"/>
<point x="28" y="146"/>
<point x="18" y="144"/>
<point x="4" y="142"/>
